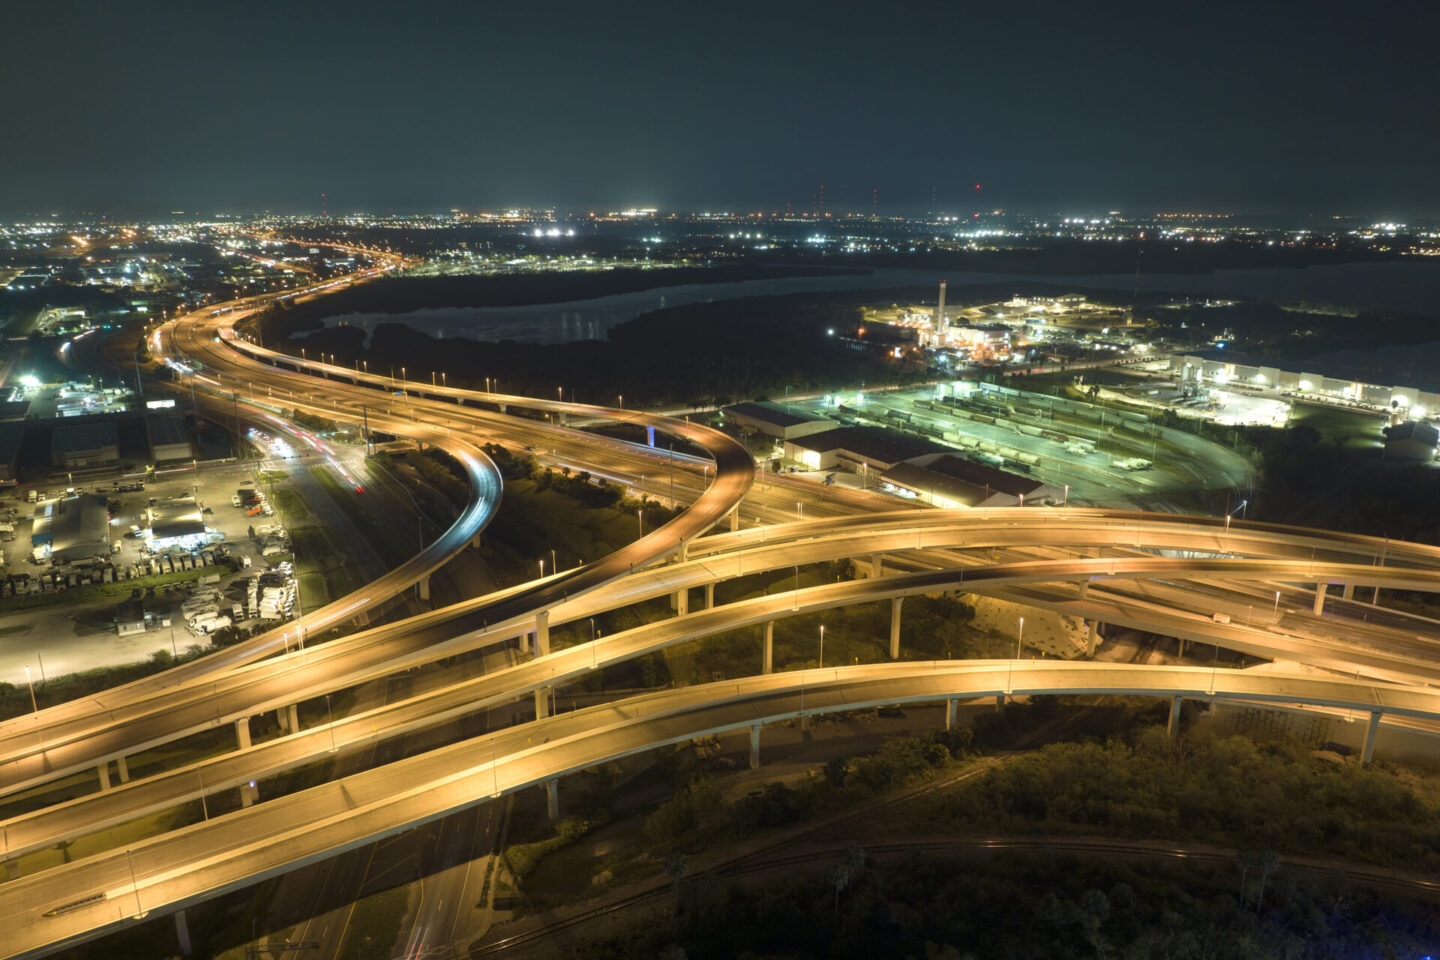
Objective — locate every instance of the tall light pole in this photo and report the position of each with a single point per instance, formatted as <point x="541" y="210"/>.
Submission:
<point x="33" y="705"/>
<point x="542" y="568"/>
<point x="821" y="661"/>
<point x="1018" y="634"/>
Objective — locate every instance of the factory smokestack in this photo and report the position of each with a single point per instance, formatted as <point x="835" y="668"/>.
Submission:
<point x="940" y="311"/>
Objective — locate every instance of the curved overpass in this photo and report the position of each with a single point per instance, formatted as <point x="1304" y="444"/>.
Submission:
<point x="131" y="801"/>
<point x="188" y="708"/>
<point x="80" y="900"/>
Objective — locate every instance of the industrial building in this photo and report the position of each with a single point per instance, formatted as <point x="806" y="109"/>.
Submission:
<point x="861" y="449"/>
<point x="10" y="435"/>
<point x="81" y="446"/>
<point x="177" y="522"/>
<point x="1220" y="367"/>
<point x="949" y="481"/>
<point x="73" y="528"/>
<point x="1411" y="440"/>
<point x="169" y="440"/>
<point x="772" y="420"/>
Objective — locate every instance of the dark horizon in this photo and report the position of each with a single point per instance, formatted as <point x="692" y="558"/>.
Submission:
<point x="154" y="107"/>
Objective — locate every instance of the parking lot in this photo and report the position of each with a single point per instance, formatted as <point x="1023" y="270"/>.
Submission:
<point x="103" y="622"/>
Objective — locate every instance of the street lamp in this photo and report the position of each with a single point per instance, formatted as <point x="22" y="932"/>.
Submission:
<point x="542" y="568"/>
<point x="33" y="705"/>
<point x="1277" y="605"/>
<point x="821" y="661"/>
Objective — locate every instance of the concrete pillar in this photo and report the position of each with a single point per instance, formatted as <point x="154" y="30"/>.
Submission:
<point x="895" y="628"/>
<point x="877" y="565"/>
<point x="952" y="713"/>
<point x="1368" y="751"/>
<point x="755" y="746"/>
<point x="424" y="586"/>
<point x="552" y="799"/>
<point x="475" y="541"/>
<point x="680" y="601"/>
<point x="502" y="408"/>
<point x="294" y="714"/>
<point x="124" y="770"/>
<point x="242" y="733"/>
<point x="684" y="549"/>
<point x="735" y="521"/>
<point x="1092" y="637"/>
<point x="1173" y="726"/>
<point x="767" y="662"/>
<point x="1349" y="592"/>
<point x="1084" y="589"/>
<point x="249" y="793"/>
<point x="12" y="869"/>
<point x="1320" y="598"/>
<point x="999" y="703"/>
<point x="542" y="703"/>
<point x="542" y="633"/>
<point x="182" y="932"/>
<point x="104" y="772"/>
<point x="709" y="596"/>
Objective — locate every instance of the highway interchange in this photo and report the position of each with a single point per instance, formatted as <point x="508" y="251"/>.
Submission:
<point x="1164" y="573"/>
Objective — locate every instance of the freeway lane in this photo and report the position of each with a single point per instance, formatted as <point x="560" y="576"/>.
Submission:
<point x="232" y="851"/>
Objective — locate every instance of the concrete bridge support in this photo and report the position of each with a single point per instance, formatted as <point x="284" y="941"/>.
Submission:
<point x="542" y="703"/>
<point x="103" y="771"/>
<point x="952" y="713"/>
<point x="767" y="661"/>
<point x="1173" y="726"/>
<point x="475" y="542"/>
<point x="289" y="718"/>
<point x="895" y="628"/>
<point x="1320" y="598"/>
<point x="1348" y="593"/>
<point x="242" y="733"/>
<point x="1084" y="589"/>
<point x="999" y="703"/>
<point x="709" y="596"/>
<point x="735" y="520"/>
<point x="680" y="602"/>
<point x="182" y="932"/>
<point x="123" y="769"/>
<point x="1368" y="751"/>
<point x="755" y="746"/>
<point x="1093" y="638"/>
<point x="424" y="587"/>
<point x="877" y="565"/>
<point x="552" y="799"/>
<point x="542" y="633"/>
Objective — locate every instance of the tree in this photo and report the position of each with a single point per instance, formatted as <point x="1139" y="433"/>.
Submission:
<point x="1268" y="862"/>
<point x="675" y="869"/>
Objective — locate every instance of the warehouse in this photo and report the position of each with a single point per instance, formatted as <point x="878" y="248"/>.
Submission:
<point x="775" y="421"/>
<point x="1411" y="440"/>
<point x="949" y="481"/>
<point x="177" y="522"/>
<point x="860" y="449"/>
<point x="74" y="528"/>
<point x="78" y="446"/>
<point x="169" y="440"/>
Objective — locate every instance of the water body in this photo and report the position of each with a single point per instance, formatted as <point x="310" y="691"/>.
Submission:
<point x="1412" y="286"/>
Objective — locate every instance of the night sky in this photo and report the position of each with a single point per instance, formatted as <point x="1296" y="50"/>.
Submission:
<point x="1298" y="108"/>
